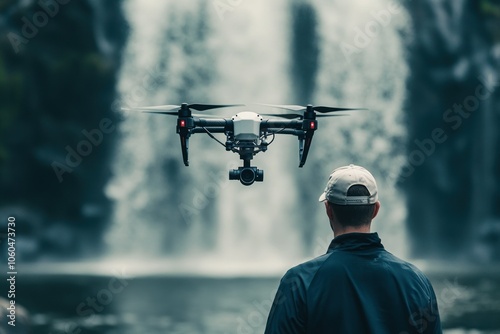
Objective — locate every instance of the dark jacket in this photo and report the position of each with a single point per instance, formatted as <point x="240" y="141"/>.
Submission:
<point x="356" y="287"/>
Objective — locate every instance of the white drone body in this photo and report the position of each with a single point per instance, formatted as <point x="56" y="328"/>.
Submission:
<point x="247" y="126"/>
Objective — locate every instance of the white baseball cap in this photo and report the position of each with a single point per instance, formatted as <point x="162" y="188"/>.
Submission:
<point x="343" y="178"/>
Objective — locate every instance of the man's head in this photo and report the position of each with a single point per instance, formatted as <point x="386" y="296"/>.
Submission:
<point x="351" y="199"/>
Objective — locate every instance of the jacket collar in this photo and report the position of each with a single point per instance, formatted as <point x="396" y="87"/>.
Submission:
<point x="353" y="241"/>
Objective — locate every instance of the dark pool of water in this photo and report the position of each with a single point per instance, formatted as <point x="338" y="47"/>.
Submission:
<point x="469" y="303"/>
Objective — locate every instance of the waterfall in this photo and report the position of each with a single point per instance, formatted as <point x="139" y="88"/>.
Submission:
<point x="249" y="52"/>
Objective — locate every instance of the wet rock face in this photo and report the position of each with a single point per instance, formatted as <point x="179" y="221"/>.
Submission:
<point x="452" y="169"/>
<point x="59" y="61"/>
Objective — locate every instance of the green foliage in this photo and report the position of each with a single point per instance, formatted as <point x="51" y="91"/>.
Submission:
<point x="490" y="7"/>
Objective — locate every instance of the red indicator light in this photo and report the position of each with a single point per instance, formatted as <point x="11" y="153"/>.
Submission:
<point x="312" y="125"/>
<point x="182" y="123"/>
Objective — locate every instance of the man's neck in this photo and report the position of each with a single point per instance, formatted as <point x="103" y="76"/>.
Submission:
<point x="339" y="230"/>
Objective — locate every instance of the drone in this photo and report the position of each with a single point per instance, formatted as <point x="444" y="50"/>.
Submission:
<point x="247" y="132"/>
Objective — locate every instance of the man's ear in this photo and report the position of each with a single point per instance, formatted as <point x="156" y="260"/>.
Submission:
<point x="329" y="211"/>
<point x="377" y="207"/>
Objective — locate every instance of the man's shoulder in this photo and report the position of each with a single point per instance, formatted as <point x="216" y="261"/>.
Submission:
<point x="333" y="261"/>
<point x="385" y="258"/>
<point x="407" y="269"/>
<point x="405" y="265"/>
<point x="305" y="271"/>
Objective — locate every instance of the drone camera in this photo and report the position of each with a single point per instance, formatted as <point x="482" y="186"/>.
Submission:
<point x="247" y="175"/>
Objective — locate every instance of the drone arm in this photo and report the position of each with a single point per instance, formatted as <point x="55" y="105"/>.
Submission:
<point x="227" y="124"/>
<point x="281" y="124"/>
<point x="303" y="129"/>
<point x="212" y="130"/>
<point x="282" y="131"/>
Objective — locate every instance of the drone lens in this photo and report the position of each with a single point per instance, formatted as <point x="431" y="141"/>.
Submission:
<point x="247" y="176"/>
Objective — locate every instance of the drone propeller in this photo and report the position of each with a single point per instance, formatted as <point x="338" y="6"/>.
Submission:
<point x="175" y="113"/>
<point x="203" y="107"/>
<point x="153" y="108"/>
<point x="319" y="116"/>
<point x="287" y="116"/>
<point x="323" y="110"/>
<point x="320" y="109"/>
<point x="172" y="109"/>
<point x="287" y="107"/>
<point x="293" y="116"/>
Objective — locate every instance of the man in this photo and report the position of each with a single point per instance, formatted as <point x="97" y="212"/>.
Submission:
<point x="357" y="286"/>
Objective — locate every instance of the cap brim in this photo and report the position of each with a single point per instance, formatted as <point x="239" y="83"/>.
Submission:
<point x="322" y="198"/>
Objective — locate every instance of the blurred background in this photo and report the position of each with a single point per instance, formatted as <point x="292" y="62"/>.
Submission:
<point x="115" y="235"/>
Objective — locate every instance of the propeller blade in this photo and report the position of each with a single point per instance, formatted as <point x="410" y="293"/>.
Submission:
<point x="205" y="116"/>
<point x="319" y="116"/>
<point x="171" y="107"/>
<point x="293" y="116"/>
<point x="154" y="108"/>
<point x="166" y="107"/>
<point x="287" y="107"/>
<point x="287" y="116"/>
<point x="203" y="107"/>
<point x="173" y="113"/>
<point x="322" y="109"/>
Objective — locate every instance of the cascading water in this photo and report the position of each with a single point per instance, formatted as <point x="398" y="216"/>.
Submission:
<point x="242" y="52"/>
